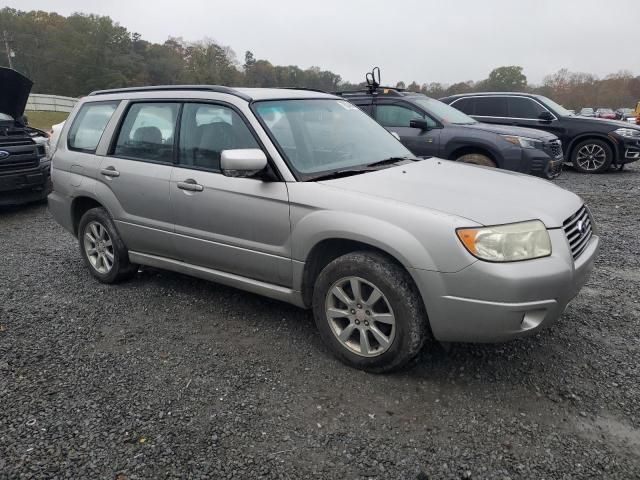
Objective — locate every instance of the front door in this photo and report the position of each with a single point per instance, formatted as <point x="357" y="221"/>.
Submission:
<point x="396" y="117"/>
<point x="236" y="225"/>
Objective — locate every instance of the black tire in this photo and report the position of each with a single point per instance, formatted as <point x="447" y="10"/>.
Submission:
<point x="580" y="165"/>
<point x="121" y="268"/>
<point x="399" y="290"/>
<point x="477" y="159"/>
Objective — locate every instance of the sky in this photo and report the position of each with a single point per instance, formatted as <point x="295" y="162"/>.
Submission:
<point x="443" y="41"/>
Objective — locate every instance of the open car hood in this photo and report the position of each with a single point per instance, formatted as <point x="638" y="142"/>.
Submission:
<point x="14" y="92"/>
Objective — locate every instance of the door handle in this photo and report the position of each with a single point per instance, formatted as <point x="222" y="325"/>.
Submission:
<point x="190" y="185"/>
<point x="110" y="172"/>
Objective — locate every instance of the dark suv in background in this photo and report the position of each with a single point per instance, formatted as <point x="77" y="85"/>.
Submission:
<point x="430" y="128"/>
<point x="24" y="166"/>
<point x="592" y="145"/>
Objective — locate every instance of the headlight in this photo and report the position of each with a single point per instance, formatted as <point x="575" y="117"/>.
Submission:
<point x="524" y="142"/>
<point x="628" y="132"/>
<point x="507" y="243"/>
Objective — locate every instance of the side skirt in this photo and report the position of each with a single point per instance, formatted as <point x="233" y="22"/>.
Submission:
<point x="250" y="285"/>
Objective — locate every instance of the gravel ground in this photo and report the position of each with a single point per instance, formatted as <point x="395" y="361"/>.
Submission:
<point x="169" y="376"/>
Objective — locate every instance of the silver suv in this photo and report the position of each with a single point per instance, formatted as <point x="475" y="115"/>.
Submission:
<point x="300" y="196"/>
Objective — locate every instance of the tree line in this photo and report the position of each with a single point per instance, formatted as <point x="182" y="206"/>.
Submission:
<point x="80" y="53"/>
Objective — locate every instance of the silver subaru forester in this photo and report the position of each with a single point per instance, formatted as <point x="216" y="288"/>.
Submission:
<point x="300" y="196"/>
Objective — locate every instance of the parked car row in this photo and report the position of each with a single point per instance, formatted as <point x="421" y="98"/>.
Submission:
<point x="591" y="145"/>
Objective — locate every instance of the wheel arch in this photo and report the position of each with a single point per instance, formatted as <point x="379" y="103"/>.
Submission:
<point x="79" y="206"/>
<point x="461" y="150"/>
<point x="592" y="136"/>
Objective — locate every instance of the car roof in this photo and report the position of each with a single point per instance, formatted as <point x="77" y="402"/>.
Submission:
<point x="483" y="94"/>
<point x="248" y="94"/>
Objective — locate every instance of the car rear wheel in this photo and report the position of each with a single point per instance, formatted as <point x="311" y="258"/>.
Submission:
<point x="102" y="248"/>
<point x="369" y="312"/>
<point x="477" y="159"/>
<point x="592" y="156"/>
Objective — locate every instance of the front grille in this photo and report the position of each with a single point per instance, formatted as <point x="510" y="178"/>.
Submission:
<point x="578" y="228"/>
<point x="554" y="148"/>
<point x="23" y="155"/>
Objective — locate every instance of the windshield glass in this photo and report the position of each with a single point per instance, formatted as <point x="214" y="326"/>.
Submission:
<point x="559" y="109"/>
<point x="319" y="136"/>
<point x="443" y="112"/>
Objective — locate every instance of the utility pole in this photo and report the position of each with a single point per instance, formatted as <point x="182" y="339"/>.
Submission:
<point x="6" y="46"/>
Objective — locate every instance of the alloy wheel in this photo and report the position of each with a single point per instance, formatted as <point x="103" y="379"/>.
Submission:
<point x="360" y="316"/>
<point x="591" y="157"/>
<point x="98" y="247"/>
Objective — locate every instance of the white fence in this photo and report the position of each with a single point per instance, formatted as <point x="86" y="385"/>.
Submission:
<point x="50" y="103"/>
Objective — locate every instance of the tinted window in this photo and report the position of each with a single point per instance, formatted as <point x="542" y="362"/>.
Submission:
<point x="147" y="132"/>
<point x="365" y="107"/>
<point x="206" y="130"/>
<point x="398" y="116"/>
<point x="490" y="106"/>
<point x="464" y="105"/>
<point x="520" y="107"/>
<point x="89" y="125"/>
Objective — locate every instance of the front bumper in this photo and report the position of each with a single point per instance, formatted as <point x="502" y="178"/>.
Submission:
<point x="32" y="185"/>
<point x="543" y="164"/>
<point x="628" y="149"/>
<point x="494" y="302"/>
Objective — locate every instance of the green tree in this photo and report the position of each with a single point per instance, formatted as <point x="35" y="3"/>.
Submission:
<point x="505" y="79"/>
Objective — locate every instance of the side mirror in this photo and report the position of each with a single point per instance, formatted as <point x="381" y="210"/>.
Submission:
<point x="546" y="116"/>
<point x="421" y="124"/>
<point x="242" y="162"/>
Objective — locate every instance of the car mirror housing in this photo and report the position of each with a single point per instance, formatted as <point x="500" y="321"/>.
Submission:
<point x="242" y="162"/>
<point x="421" y="124"/>
<point x="546" y="116"/>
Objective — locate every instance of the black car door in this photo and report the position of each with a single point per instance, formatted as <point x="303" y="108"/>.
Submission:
<point x="527" y="112"/>
<point x="396" y="116"/>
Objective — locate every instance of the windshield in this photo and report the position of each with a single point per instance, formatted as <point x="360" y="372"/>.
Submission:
<point x="319" y="136"/>
<point x="559" y="109"/>
<point x="443" y="112"/>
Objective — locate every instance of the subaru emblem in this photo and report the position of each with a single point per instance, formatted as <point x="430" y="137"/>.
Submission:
<point x="4" y="154"/>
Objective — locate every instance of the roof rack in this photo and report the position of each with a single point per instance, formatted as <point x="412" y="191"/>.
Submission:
<point x="391" y="91"/>
<point x="159" y="88"/>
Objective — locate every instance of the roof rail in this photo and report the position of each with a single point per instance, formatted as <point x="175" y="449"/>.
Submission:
<point x="159" y="88"/>
<point x="392" y="91"/>
<point x="304" y="88"/>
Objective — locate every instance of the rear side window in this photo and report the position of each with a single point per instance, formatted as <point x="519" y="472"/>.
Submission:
<point x="89" y="125"/>
<point x="397" y="116"/>
<point x="206" y="130"/>
<point x="490" y="106"/>
<point x="521" y="107"/>
<point x="148" y="132"/>
<point x="465" y="105"/>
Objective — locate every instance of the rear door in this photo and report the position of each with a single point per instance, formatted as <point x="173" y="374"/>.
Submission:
<point x="134" y="178"/>
<point x="236" y="225"/>
<point x="396" y="116"/>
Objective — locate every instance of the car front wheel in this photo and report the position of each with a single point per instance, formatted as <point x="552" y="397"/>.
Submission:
<point x="369" y="312"/>
<point x="592" y="156"/>
<point x="477" y="159"/>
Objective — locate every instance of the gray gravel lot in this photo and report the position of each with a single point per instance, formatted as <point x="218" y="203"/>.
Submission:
<point x="166" y="376"/>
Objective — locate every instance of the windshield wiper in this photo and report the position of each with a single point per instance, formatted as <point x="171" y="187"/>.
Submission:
<point x="391" y="160"/>
<point x="339" y="174"/>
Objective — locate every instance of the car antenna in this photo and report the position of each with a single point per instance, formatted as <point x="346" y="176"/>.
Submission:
<point x="373" y="80"/>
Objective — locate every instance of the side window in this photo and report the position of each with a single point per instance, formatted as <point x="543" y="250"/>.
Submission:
<point x="521" y="107"/>
<point x="398" y="116"/>
<point x="491" y="107"/>
<point x="89" y="125"/>
<point x="465" y="105"/>
<point x="206" y="130"/>
<point x="147" y="132"/>
<point x="365" y="107"/>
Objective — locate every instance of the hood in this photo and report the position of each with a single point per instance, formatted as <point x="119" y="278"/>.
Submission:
<point x="603" y="123"/>
<point x="509" y="130"/>
<point x="14" y="92"/>
<point x="483" y="195"/>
